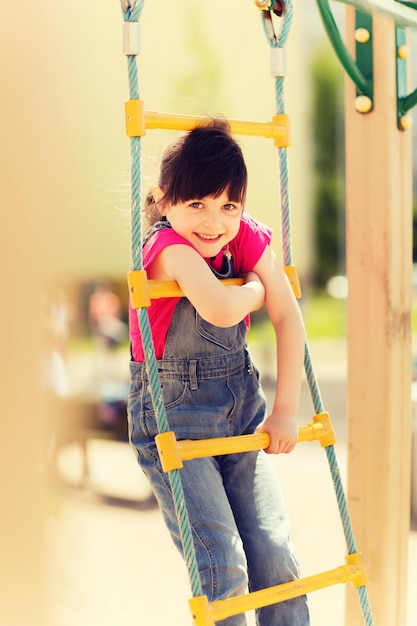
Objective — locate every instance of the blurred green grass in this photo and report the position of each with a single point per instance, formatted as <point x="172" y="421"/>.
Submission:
<point x="324" y="318"/>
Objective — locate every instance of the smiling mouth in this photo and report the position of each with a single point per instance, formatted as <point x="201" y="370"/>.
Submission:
<point x="208" y="238"/>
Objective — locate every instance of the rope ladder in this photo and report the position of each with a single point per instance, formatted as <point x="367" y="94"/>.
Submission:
<point x="172" y="452"/>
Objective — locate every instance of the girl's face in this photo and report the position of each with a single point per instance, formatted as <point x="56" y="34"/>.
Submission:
<point x="208" y="223"/>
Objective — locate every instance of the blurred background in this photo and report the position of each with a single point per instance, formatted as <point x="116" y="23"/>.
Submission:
<point x="65" y="183"/>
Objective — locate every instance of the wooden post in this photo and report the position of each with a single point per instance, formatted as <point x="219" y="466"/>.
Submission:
<point x="379" y="263"/>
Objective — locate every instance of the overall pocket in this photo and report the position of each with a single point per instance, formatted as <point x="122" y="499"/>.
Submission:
<point x="232" y="338"/>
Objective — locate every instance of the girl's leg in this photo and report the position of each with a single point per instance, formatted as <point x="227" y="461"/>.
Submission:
<point x="254" y="494"/>
<point x="219" y="550"/>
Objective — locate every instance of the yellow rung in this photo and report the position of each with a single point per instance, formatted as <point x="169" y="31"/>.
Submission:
<point x="207" y="614"/>
<point x="139" y="289"/>
<point x="142" y="290"/>
<point x="198" y="448"/>
<point x="172" y="452"/>
<point x="168" y="450"/>
<point x="282" y="121"/>
<point x="277" y="129"/>
<point x="164" y="289"/>
<point x="292" y="275"/>
<point x="135" y="118"/>
<point x="201" y="611"/>
<point x="321" y="429"/>
<point x="171" y="289"/>
<point x="138" y="120"/>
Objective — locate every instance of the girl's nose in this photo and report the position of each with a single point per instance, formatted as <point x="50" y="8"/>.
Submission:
<point x="212" y="218"/>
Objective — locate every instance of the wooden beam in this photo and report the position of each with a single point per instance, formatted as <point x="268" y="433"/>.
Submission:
<point x="379" y="264"/>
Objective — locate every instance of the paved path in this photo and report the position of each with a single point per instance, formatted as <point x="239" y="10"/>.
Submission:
<point x="111" y="562"/>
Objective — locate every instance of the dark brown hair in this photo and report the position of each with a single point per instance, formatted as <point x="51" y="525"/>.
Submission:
<point x="204" y="162"/>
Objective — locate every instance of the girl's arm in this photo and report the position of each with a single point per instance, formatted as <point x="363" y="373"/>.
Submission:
<point x="286" y="319"/>
<point x="215" y="302"/>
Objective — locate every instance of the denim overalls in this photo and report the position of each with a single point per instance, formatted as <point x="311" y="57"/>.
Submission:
<point x="240" y="526"/>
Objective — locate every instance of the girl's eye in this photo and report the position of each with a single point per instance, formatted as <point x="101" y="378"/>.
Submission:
<point x="196" y="205"/>
<point x="229" y="207"/>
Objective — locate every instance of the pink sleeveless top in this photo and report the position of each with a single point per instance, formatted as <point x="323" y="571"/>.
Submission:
<point x="246" y="249"/>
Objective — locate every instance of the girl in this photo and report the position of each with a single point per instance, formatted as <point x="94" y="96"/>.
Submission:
<point x="210" y="386"/>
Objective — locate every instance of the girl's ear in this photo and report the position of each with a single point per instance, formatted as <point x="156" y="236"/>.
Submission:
<point x="157" y="193"/>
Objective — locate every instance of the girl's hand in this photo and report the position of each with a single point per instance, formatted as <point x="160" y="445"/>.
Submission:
<point x="255" y="281"/>
<point x="283" y="433"/>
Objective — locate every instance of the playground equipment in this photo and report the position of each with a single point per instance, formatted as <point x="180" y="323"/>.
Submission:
<point x="172" y="452"/>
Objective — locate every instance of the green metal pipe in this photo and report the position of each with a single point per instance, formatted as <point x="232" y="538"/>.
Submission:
<point x="340" y="48"/>
<point x="412" y="5"/>
<point x="409" y="101"/>
<point x="401" y="12"/>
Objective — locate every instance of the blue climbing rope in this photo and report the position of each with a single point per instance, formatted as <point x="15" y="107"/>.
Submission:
<point x="132" y="10"/>
<point x="279" y="42"/>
